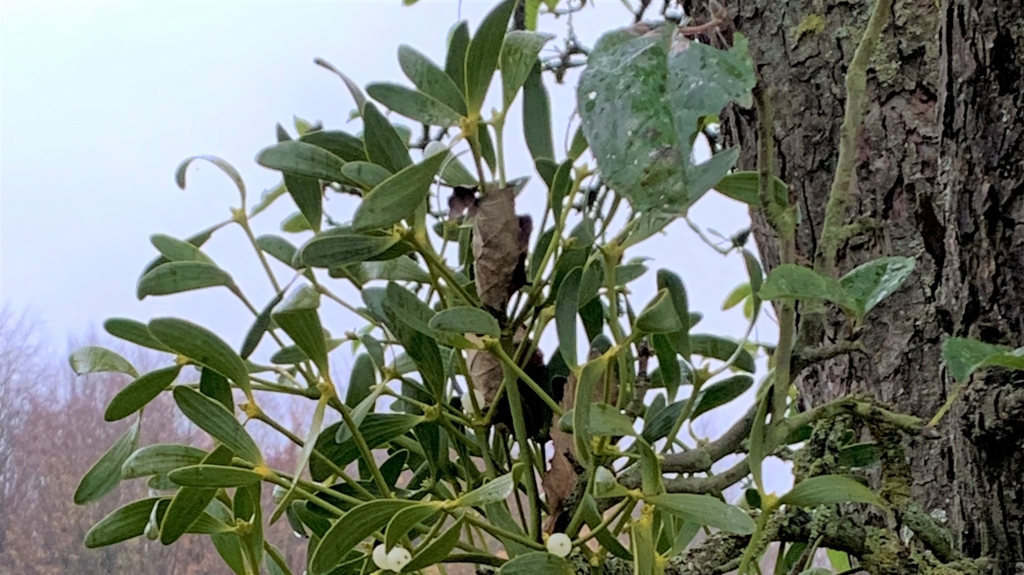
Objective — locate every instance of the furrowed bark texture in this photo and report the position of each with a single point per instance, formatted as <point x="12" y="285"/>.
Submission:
<point x="941" y="173"/>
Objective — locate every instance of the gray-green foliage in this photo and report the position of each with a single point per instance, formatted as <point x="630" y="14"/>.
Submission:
<point x="449" y="304"/>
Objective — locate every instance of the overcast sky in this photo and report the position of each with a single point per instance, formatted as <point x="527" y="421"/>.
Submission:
<point x="100" y="101"/>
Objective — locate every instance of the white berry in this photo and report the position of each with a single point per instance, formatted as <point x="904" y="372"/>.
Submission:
<point x="559" y="544"/>
<point x="398" y="557"/>
<point x="380" y="557"/>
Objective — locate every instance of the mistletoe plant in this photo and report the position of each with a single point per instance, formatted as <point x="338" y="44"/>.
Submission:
<point x="460" y="439"/>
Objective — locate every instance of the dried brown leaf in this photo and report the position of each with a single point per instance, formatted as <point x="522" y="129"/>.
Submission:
<point x="461" y="202"/>
<point x="496" y="248"/>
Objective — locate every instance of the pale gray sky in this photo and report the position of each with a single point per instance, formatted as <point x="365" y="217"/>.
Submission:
<point x="100" y="101"/>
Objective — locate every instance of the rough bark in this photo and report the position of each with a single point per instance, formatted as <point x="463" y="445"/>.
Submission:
<point x="941" y="174"/>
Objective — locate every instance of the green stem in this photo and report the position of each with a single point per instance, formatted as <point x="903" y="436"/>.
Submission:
<point x="335" y="469"/>
<point x="495" y="347"/>
<point x="331" y="295"/>
<point x="244" y="222"/>
<point x="853" y="119"/>
<point x="605" y="523"/>
<point x="501" y="533"/>
<point x="427" y="251"/>
<point x="364" y="450"/>
<point x="499" y="129"/>
<point x="515" y="402"/>
<point x="577" y="517"/>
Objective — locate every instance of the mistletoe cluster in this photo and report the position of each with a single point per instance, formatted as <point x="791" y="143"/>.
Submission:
<point x="460" y="439"/>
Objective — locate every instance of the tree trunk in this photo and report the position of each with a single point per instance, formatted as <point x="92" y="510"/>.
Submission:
<point x="941" y="175"/>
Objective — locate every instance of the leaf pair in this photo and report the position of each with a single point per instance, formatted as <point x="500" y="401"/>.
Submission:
<point x="858" y="292"/>
<point x="643" y="99"/>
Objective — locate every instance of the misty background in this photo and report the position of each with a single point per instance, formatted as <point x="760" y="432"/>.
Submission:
<point x="99" y="103"/>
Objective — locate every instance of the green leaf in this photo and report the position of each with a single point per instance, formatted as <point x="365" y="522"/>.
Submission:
<point x="353" y="88"/>
<point x="605" y="420"/>
<point x="668" y="365"/>
<point x="561" y="183"/>
<point x="659" y="316"/>
<point x="298" y="317"/>
<point x="229" y="547"/>
<point x="660" y="424"/>
<point x="122" y="524"/>
<point x="641" y="540"/>
<point x="302" y="159"/>
<point x="398" y="196"/>
<point x="463" y="319"/>
<point x="671" y="281"/>
<point x="384" y="146"/>
<point x="377" y="429"/>
<point x="295" y="223"/>
<point x="536" y="563"/>
<point x="720" y="393"/>
<point x="405" y="519"/>
<point x="437" y="550"/>
<point x="160" y="458"/>
<point x="702" y="80"/>
<point x="592" y="372"/>
<point x="105" y="474"/>
<point x="720" y="348"/>
<point x="259" y="326"/>
<point x="756" y="450"/>
<point x="188" y="503"/>
<point x="175" y="250"/>
<point x="736" y="296"/>
<point x="453" y="172"/>
<point x="95" y="359"/>
<point x="455" y="60"/>
<point x="593" y="518"/>
<point x="358" y="524"/>
<point x="579" y="144"/>
<point x="290" y="355"/>
<point x="342" y="248"/>
<point x="744" y="187"/>
<point x="537" y="116"/>
<point x="413" y="104"/>
<point x="870" y="283"/>
<point x="518" y="56"/>
<point x="134" y="331"/>
<point x="341" y="144"/>
<point x="361" y="379"/>
<point x="402" y="268"/>
<point x="179" y="174"/>
<point x="177" y="277"/>
<point x="566" y="308"/>
<point x="828" y="490"/>
<point x="140" y="392"/>
<point x="409" y="309"/>
<point x="430" y="79"/>
<point x="266" y="199"/>
<point x="483" y="53"/>
<point x="705" y="510"/>
<point x="308" y="196"/>
<point x="791" y="281"/>
<point x="964" y="356"/>
<point x="650" y="470"/>
<point x="214" y="476"/>
<point x="283" y="250"/>
<point x="840" y="560"/>
<point x="366" y="174"/>
<point x="210" y="416"/>
<point x="202" y="346"/>
<point x="657" y="92"/>
<point x="498" y="489"/>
